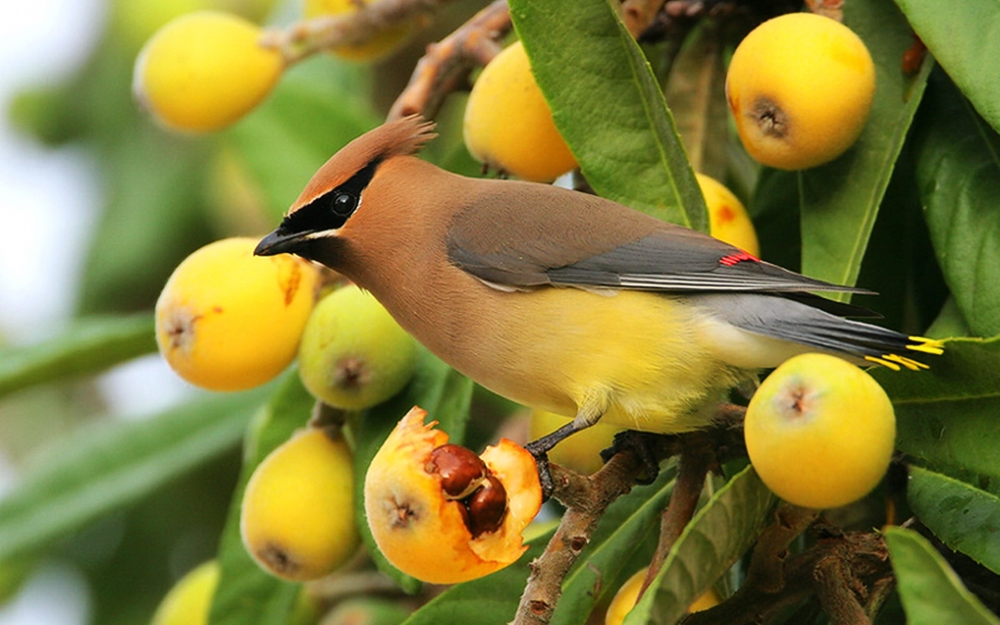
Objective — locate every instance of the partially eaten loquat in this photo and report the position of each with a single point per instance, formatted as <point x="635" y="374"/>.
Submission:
<point x="442" y="514"/>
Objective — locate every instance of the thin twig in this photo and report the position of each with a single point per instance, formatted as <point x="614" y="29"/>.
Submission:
<point x="308" y="37"/>
<point x="693" y="468"/>
<point x="447" y="64"/>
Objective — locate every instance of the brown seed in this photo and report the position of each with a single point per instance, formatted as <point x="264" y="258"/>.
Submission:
<point x="487" y="507"/>
<point x="460" y="469"/>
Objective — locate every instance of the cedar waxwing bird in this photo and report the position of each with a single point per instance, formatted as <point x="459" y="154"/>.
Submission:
<point x="565" y="301"/>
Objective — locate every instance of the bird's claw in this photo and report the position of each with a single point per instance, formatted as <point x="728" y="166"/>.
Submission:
<point x="643" y="445"/>
<point x="541" y="457"/>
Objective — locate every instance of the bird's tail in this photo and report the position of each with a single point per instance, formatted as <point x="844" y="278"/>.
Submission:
<point x="871" y="343"/>
<point x="799" y="322"/>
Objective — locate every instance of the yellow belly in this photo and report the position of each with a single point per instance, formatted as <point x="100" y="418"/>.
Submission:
<point x="636" y="358"/>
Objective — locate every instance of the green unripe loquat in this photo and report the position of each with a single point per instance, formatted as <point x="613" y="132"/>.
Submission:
<point x="353" y="353"/>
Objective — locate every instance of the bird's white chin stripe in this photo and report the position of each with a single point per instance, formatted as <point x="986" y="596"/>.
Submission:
<point x="322" y="234"/>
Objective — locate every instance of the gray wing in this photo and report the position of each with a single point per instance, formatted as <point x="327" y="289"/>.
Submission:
<point x="586" y="241"/>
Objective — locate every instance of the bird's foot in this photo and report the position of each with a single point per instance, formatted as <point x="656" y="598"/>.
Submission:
<point x="644" y="445"/>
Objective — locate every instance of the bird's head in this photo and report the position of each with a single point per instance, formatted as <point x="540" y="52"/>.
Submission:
<point x="340" y="187"/>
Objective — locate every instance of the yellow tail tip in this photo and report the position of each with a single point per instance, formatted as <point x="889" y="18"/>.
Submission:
<point x="884" y="363"/>
<point x="897" y="362"/>
<point x="926" y="345"/>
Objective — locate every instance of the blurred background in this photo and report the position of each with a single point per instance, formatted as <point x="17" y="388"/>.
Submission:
<point x="51" y="196"/>
<point x="99" y="205"/>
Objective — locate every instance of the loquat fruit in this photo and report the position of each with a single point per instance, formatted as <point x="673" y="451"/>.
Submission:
<point x="189" y="601"/>
<point x="800" y="87"/>
<point x="820" y="431"/>
<point x="627" y="596"/>
<point x="297" y="517"/>
<point x="442" y="514"/>
<point x="353" y="354"/>
<point x="727" y="218"/>
<point x="227" y="320"/>
<point x="508" y="123"/>
<point x="205" y="70"/>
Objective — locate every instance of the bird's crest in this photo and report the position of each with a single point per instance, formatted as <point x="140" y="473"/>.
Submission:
<point x="401" y="137"/>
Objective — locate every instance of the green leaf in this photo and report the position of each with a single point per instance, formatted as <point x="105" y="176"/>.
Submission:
<point x="840" y="200"/>
<point x="608" y="107"/>
<point x="155" y="215"/>
<point x="949" y="322"/>
<point x="930" y="590"/>
<point x="696" y="94"/>
<point x="958" y="176"/>
<point x="114" y="465"/>
<point x="774" y="210"/>
<point x="966" y="518"/>
<point x="950" y="415"/>
<point x="246" y="595"/>
<point x="622" y="544"/>
<point x="89" y="346"/>
<point x="718" y="535"/>
<point x="961" y="36"/>
<point x="437" y="388"/>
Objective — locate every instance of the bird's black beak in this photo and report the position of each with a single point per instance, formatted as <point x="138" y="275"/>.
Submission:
<point x="280" y="242"/>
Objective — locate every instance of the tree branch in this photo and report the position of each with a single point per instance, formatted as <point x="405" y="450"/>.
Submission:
<point x="586" y="499"/>
<point x="845" y="570"/>
<point x="447" y="64"/>
<point x="694" y="465"/>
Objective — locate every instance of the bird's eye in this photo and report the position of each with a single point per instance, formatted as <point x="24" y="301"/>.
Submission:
<point x="344" y="204"/>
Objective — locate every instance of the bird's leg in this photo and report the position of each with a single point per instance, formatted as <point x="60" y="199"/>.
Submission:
<point x="539" y="449"/>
